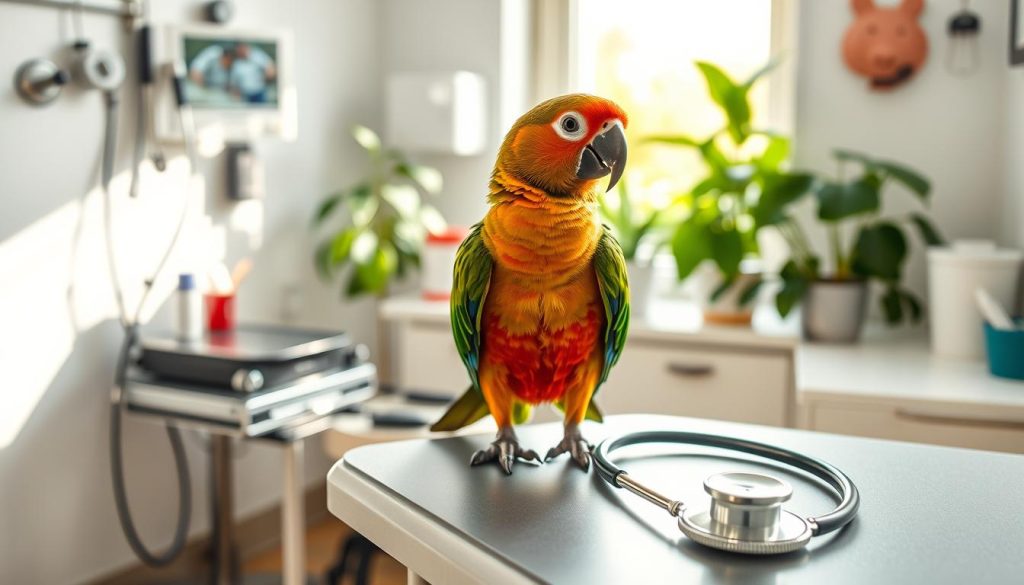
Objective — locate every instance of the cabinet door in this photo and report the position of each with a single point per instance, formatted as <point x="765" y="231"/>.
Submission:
<point x="719" y="384"/>
<point x="884" y="421"/>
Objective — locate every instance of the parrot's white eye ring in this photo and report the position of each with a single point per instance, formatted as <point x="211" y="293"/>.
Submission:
<point x="571" y="126"/>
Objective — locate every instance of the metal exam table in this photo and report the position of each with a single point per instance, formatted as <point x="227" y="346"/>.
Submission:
<point x="928" y="515"/>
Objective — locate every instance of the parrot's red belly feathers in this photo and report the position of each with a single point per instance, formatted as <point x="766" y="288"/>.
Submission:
<point x="542" y="364"/>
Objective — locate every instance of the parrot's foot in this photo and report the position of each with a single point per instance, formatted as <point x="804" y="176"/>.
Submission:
<point x="573" y="443"/>
<point x="505" y="449"/>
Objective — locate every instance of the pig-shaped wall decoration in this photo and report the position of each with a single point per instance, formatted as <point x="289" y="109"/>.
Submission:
<point x="885" y="43"/>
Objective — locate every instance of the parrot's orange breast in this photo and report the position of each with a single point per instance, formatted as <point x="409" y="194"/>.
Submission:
<point x="543" y="317"/>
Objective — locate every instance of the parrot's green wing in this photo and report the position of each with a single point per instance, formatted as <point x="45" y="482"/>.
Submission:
<point x="473" y="264"/>
<point x="610" y="266"/>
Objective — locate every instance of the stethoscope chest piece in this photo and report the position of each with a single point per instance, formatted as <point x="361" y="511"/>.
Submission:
<point x="746" y="516"/>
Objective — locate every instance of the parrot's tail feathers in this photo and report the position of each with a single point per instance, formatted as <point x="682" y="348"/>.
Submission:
<point x="469" y="408"/>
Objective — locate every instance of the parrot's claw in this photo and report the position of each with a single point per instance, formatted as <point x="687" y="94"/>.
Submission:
<point x="505" y="449"/>
<point x="573" y="443"/>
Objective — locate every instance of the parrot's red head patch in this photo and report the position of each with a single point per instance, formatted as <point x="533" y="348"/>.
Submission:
<point x="565" y="144"/>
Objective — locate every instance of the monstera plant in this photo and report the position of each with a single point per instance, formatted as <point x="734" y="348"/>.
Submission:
<point x="875" y="249"/>
<point x="746" y="187"/>
<point x="374" y="230"/>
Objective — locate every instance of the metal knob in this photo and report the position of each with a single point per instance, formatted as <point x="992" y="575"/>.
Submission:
<point x="39" y="81"/>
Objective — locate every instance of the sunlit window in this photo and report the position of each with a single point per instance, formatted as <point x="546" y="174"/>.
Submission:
<point x="641" y="54"/>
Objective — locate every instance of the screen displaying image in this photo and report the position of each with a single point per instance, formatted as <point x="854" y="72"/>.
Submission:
<point x="228" y="73"/>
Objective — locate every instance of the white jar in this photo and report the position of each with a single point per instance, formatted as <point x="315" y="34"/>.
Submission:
<point x="953" y="275"/>
<point x="438" y="263"/>
<point x="190" y="309"/>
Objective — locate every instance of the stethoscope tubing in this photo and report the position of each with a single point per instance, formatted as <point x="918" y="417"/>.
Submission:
<point x="849" y="497"/>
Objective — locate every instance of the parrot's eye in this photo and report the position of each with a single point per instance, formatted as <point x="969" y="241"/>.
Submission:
<point x="571" y="126"/>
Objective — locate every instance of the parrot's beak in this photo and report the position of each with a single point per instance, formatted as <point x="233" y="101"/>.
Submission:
<point x="605" y="154"/>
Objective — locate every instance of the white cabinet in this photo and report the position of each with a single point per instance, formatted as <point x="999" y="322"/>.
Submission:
<point x="914" y="424"/>
<point x="728" y="374"/>
<point x="890" y="386"/>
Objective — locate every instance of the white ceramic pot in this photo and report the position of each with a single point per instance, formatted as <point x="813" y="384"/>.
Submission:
<point x="833" y="310"/>
<point x="953" y="275"/>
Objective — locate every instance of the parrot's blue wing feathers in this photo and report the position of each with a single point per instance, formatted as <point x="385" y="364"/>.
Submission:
<point x="610" y="266"/>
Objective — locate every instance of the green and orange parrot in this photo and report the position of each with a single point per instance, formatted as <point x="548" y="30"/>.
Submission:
<point x="540" y="302"/>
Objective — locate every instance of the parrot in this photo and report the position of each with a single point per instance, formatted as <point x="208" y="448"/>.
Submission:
<point x="540" y="294"/>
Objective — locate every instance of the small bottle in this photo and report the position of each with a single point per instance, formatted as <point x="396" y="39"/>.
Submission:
<point x="190" y="309"/>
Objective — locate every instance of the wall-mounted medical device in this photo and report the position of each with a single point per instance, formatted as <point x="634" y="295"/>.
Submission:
<point x="444" y="113"/>
<point x="238" y="83"/>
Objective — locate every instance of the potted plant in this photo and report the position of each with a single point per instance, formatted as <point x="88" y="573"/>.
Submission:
<point x="745" y="189"/>
<point x="375" y="229"/>
<point x="632" y="224"/>
<point x="876" y="250"/>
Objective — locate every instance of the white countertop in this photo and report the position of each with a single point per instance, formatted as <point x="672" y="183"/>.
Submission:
<point x="895" y="365"/>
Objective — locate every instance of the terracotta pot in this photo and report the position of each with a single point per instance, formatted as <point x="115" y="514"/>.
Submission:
<point x="726" y="309"/>
<point x="834" y="310"/>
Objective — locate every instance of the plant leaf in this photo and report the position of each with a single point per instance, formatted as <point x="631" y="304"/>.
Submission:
<point x="432" y="219"/>
<point x="844" y="155"/>
<point x="891" y="306"/>
<point x="778" y="191"/>
<point x="907" y="177"/>
<point x="427" y="178"/>
<point x="732" y="98"/>
<point x="765" y="69"/>
<point x="727" y="250"/>
<point x="690" y="246"/>
<point x="322" y="261"/>
<point x="366" y="138"/>
<point x="672" y="140"/>
<point x="341" y="245"/>
<point x="776" y="153"/>
<point x="913" y="304"/>
<point x="404" y="198"/>
<point x="723" y="286"/>
<point x="879" y="251"/>
<point x="838" y="201"/>
<point x="326" y="207"/>
<point x="750" y="292"/>
<point x="929" y="234"/>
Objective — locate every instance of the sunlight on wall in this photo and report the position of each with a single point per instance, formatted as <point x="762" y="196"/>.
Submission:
<point x="43" y="309"/>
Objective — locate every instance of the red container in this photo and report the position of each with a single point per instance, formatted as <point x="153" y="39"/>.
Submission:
<point x="220" y="312"/>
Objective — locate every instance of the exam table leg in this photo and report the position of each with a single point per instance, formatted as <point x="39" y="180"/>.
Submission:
<point x="293" y="516"/>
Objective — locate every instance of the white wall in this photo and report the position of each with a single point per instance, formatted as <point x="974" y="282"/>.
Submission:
<point x="950" y="128"/>
<point x="1013" y="204"/>
<point x="445" y="35"/>
<point x="57" y="518"/>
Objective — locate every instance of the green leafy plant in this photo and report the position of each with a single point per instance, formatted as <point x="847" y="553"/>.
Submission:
<point x="630" y="222"/>
<point x="747" y="186"/>
<point x="376" y="228"/>
<point x="878" y="247"/>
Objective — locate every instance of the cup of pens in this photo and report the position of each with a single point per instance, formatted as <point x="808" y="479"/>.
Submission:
<point x="220" y="299"/>
<point x="1004" y="337"/>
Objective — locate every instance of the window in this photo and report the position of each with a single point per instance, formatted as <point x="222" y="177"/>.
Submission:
<point x="640" y="53"/>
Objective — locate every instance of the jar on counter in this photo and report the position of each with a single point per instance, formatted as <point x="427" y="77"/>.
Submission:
<point x="438" y="262"/>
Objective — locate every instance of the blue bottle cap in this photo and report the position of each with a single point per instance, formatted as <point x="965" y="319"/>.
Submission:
<point x="186" y="281"/>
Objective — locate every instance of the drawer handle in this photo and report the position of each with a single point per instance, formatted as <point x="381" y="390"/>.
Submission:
<point x="691" y="370"/>
<point x="936" y="419"/>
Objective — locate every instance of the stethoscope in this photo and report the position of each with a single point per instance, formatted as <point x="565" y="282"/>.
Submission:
<point x="746" y="514"/>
